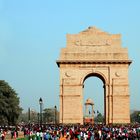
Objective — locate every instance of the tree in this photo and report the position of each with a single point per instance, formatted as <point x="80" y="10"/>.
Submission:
<point x="135" y="117"/>
<point x="9" y="104"/>
<point x="24" y="117"/>
<point x="99" y="118"/>
<point x="49" y="115"/>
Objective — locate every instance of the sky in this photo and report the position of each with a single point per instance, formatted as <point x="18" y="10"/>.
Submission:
<point x="32" y="32"/>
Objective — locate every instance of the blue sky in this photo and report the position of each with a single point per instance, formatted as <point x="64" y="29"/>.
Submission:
<point x="32" y="32"/>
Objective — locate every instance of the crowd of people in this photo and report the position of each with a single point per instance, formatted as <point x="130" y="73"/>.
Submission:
<point x="77" y="132"/>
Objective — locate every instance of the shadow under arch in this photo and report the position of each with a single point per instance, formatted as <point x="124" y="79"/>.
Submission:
<point x="103" y="79"/>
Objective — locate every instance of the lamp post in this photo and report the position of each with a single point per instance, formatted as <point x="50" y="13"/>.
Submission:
<point x="29" y="115"/>
<point x="55" y="113"/>
<point x="40" y="103"/>
<point x="29" y="120"/>
<point x="38" y="118"/>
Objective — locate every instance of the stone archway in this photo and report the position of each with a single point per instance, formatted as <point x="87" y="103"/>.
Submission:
<point x="94" y="52"/>
<point x="103" y="79"/>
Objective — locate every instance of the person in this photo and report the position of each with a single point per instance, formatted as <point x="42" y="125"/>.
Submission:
<point x="62" y="136"/>
<point x="37" y="135"/>
<point x="15" y="134"/>
<point x="0" y="134"/>
<point x="41" y="135"/>
<point x="47" y="136"/>
<point x="12" y="134"/>
<point x="3" y="135"/>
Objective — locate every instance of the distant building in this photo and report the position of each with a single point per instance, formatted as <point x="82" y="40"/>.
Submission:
<point x="89" y="114"/>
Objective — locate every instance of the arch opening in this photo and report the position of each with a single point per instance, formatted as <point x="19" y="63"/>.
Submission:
<point x="94" y="90"/>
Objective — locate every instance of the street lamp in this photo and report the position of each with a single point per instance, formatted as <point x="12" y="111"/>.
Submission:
<point x="29" y="116"/>
<point x="38" y="118"/>
<point x="40" y="102"/>
<point x="55" y="113"/>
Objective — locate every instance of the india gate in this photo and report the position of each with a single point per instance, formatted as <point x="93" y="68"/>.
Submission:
<point x="94" y="53"/>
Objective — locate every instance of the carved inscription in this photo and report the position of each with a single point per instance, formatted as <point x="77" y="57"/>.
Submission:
<point x="93" y="42"/>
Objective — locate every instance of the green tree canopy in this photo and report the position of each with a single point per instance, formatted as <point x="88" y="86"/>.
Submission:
<point x="99" y="118"/>
<point x="135" y="117"/>
<point x="24" y="117"/>
<point x="9" y="104"/>
<point x="50" y="115"/>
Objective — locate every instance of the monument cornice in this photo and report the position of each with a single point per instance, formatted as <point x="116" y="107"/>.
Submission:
<point x="93" y="62"/>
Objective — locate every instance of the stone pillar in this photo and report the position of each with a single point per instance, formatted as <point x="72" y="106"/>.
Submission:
<point x="121" y="112"/>
<point x="106" y="111"/>
<point x="71" y="105"/>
